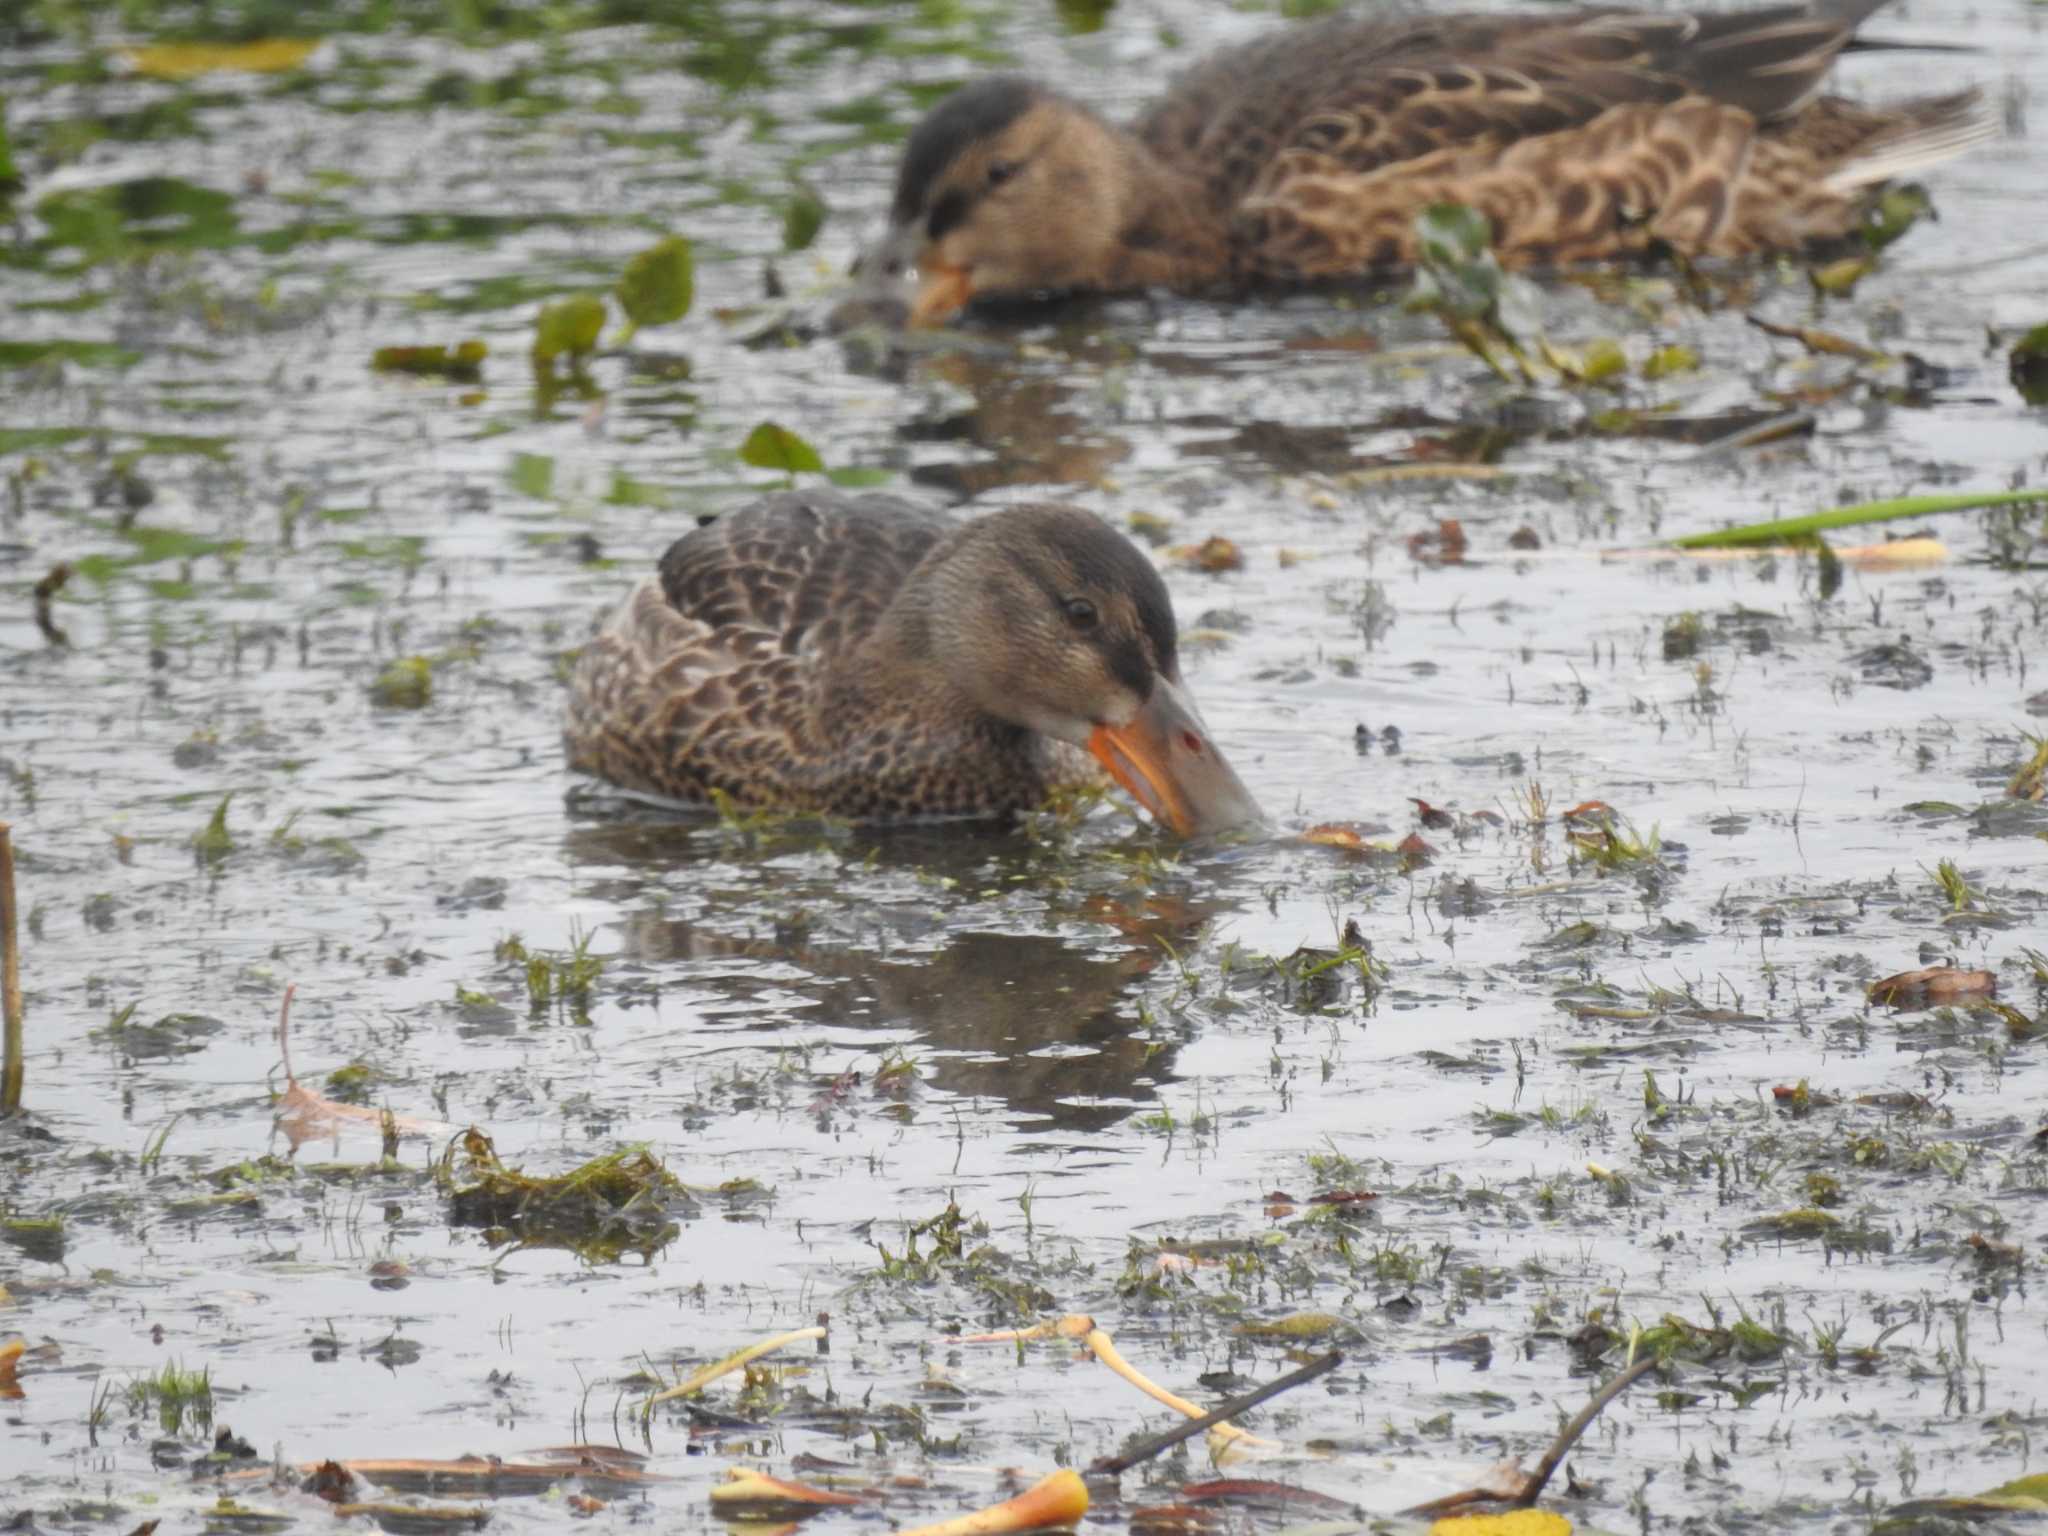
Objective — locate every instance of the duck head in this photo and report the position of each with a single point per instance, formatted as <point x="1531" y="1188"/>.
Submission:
<point x="1046" y="617"/>
<point x="1005" y="190"/>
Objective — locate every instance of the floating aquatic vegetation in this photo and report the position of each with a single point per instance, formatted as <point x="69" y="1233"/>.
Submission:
<point x="406" y="683"/>
<point x="568" y="328"/>
<point x="773" y="446"/>
<point x="462" y="363"/>
<point x="657" y="285"/>
<point x="187" y="61"/>
<point x="2028" y="366"/>
<point x="619" y="1203"/>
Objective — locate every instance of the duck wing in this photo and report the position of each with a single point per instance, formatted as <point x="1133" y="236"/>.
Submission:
<point x="700" y="681"/>
<point x="1373" y="92"/>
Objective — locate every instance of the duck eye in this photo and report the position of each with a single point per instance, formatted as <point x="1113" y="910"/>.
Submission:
<point x="1000" y="171"/>
<point x="1079" y="611"/>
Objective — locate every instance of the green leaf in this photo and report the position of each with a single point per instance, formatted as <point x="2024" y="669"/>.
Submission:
<point x="1897" y="209"/>
<point x="2029" y="366"/>
<point x="770" y="446"/>
<point x="658" y="284"/>
<point x="1083" y="16"/>
<point x="803" y="215"/>
<point x="215" y="842"/>
<point x="1666" y="361"/>
<point x="568" y="327"/>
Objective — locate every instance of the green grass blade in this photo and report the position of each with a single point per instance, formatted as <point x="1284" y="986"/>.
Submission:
<point x="1787" y="530"/>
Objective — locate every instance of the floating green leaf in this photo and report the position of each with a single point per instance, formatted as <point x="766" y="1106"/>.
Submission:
<point x="2029" y="366"/>
<point x="215" y="842"/>
<point x="10" y="179"/>
<point x="462" y="362"/>
<point x="772" y="446"/>
<point x="88" y="354"/>
<point x="1897" y="209"/>
<point x="803" y="215"/>
<point x="1838" y="279"/>
<point x="407" y="683"/>
<point x="1458" y="279"/>
<point x="658" y="284"/>
<point x="570" y="327"/>
<point x="1666" y="361"/>
<point x="1083" y="16"/>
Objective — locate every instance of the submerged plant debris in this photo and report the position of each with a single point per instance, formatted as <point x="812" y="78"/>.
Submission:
<point x="1640" y="985"/>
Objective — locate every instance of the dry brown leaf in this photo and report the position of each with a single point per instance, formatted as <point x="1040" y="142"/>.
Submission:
<point x="1935" y="984"/>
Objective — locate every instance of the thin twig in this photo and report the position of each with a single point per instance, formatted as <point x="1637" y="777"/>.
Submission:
<point x="46" y="590"/>
<point x="1517" y="1489"/>
<point x="1145" y="1450"/>
<point x="13" y="1069"/>
<point x="1569" y="1435"/>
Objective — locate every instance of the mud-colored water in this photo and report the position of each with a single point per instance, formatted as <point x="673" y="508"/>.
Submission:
<point x="1105" y="1053"/>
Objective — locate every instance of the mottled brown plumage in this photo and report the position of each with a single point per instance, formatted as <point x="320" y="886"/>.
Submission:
<point x="866" y="658"/>
<point x="1305" y="155"/>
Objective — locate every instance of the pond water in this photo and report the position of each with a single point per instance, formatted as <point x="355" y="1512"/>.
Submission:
<point x="1556" y="1071"/>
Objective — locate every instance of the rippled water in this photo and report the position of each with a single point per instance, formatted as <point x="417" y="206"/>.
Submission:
<point x="1106" y="1054"/>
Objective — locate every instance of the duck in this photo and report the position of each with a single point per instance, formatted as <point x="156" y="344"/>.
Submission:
<point x="866" y="658"/>
<point x="1305" y="155"/>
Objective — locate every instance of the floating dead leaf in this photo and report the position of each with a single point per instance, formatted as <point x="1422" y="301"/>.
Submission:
<point x="1343" y="1197"/>
<point x="1935" y="984"/>
<point x="1351" y="836"/>
<point x="1342" y="341"/>
<point x="1441" y="545"/>
<point x="187" y="61"/>
<point x="583" y="1504"/>
<point x="330" y="1481"/>
<point x="1173" y="1520"/>
<point x="10" y="1367"/>
<point x="1214" y="554"/>
<point x="1263" y="1495"/>
<point x="1055" y="1502"/>
<point x="1994" y="1255"/>
<point x="1590" y="810"/>
<point x="1826" y="343"/>
<point x="1516" y="1522"/>
<point x="486" y="1476"/>
<point x="750" y="1494"/>
<point x="418" y="1519"/>
<point x="304" y="1115"/>
<point x="462" y="363"/>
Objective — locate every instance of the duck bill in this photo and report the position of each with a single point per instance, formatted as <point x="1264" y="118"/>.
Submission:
<point x="942" y="292"/>
<point x="1168" y="761"/>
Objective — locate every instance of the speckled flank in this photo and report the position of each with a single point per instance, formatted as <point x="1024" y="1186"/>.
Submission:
<point x="757" y="665"/>
<point x="1581" y="134"/>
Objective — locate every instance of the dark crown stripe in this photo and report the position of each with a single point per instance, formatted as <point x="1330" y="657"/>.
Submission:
<point x="967" y="117"/>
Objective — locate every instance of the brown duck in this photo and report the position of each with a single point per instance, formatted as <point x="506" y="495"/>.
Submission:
<point x="867" y="658"/>
<point x="1582" y="135"/>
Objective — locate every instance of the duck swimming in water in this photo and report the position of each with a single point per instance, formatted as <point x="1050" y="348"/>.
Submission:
<point x="1582" y="135"/>
<point x="864" y="657"/>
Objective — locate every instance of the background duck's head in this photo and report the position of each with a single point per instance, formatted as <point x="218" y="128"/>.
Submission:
<point x="1046" y="617"/>
<point x="1005" y="189"/>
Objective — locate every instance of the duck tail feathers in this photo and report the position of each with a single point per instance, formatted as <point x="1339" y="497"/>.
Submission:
<point x="1929" y="131"/>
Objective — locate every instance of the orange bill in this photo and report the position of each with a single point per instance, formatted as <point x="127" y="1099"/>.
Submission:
<point x="942" y="292"/>
<point x="1166" y="758"/>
